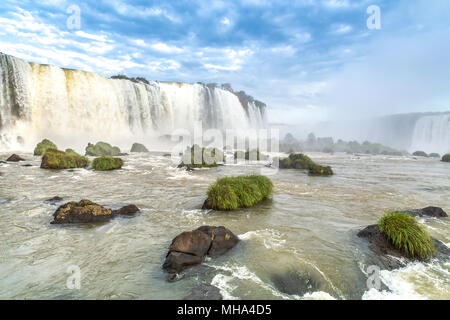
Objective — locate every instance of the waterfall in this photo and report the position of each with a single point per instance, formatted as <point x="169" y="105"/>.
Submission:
<point x="71" y="106"/>
<point x="432" y="134"/>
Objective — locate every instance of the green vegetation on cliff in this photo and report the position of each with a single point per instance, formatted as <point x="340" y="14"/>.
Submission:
<point x="56" y="159"/>
<point x="231" y="193"/>
<point x="407" y="235"/>
<point x="105" y="163"/>
<point x="328" y="145"/>
<point x="446" y="157"/>
<point x="43" y="146"/>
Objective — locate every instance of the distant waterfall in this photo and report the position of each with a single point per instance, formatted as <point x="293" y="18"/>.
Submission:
<point x="42" y="101"/>
<point x="432" y="134"/>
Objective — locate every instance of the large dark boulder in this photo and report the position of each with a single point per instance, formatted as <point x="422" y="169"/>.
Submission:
<point x="430" y="211"/>
<point x="222" y="239"/>
<point x="190" y="248"/>
<point x="205" y="292"/>
<point x="87" y="211"/>
<point x="15" y="158"/>
<point x="386" y="256"/>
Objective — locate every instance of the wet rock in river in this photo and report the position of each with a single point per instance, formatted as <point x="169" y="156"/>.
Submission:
<point x="430" y="211"/>
<point x="386" y="255"/>
<point x="15" y="158"/>
<point x="296" y="282"/>
<point x="54" y="200"/>
<point x="87" y="211"/>
<point x="189" y="248"/>
<point x="128" y="210"/>
<point x="81" y="212"/>
<point x="205" y="292"/>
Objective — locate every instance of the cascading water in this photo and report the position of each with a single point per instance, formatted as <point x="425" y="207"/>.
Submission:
<point x="432" y="134"/>
<point x="41" y="101"/>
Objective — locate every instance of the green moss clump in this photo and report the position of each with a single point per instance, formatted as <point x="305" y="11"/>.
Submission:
<point x="231" y="193"/>
<point x="407" y="235"/>
<point x="72" y="152"/>
<point x="105" y="163"/>
<point x="420" y="154"/>
<point x="102" y="149"/>
<point x="198" y="157"/>
<point x="318" y="170"/>
<point x="302" y="161"/>
<point x="254" y="154"/>
<point x="446" y="157"/>
<point x="43" y="146"/>
<point x="56" y="159"/>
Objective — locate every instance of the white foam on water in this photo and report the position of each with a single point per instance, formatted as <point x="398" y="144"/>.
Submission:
<point x="270" y="238"/>
<point x="413" y="282"/>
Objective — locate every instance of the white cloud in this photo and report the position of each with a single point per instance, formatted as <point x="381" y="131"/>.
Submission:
<point x="225" y="21"/>
<point x="162" y="47"/>
<point x="342" y="28"/>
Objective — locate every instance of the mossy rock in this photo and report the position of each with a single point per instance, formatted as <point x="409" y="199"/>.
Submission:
<point x="446" y="157"/>
<point x="199" y="157"/>
<point x="56" y="159"/>
<point x="137" y="147"/>
<point x="303" y="162"/>
<point x="102" y="149"/>
<point x="43" y="146"/>
<point x="407" y="235"/>
<point x="231" y="193"/>
<point x="105" y="163"/>
<point x="318" y="170"/>
<point x="420" y="154"/>
<point x="72" y="152"/>
<point x="434" y="155"/>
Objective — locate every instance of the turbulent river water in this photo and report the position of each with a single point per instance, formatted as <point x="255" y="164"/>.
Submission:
<point x="309" y="227"/>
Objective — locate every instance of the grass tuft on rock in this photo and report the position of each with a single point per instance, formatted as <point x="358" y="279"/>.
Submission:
<point x="102" y="149"/>
<point x="231" y="193"/>
<point x="407" y="235"/>
<point x="446" y="157"/>
<point x="105" y="163"/>
<point x="420" y="154"/>
<point x="43" y="146"/>
<point x="56" y="159"/>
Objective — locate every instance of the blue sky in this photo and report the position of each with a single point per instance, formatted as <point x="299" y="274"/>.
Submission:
<point x="308" y="60"/>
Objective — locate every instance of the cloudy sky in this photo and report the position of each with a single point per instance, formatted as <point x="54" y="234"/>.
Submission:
<point x="308" y="60"/>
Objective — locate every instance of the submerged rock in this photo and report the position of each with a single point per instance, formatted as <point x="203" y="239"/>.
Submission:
<point x="190" y="248"/>
<point x="87" y="211"/>
<point x="54" y="200"/>
<point x="15" y="158"/>
<point x="296" y="282"/>
<point x="205" y="292"/>
<point x="430" y="211"/>
<point x="137" y="147"/>
<point x="386" y="256"/>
